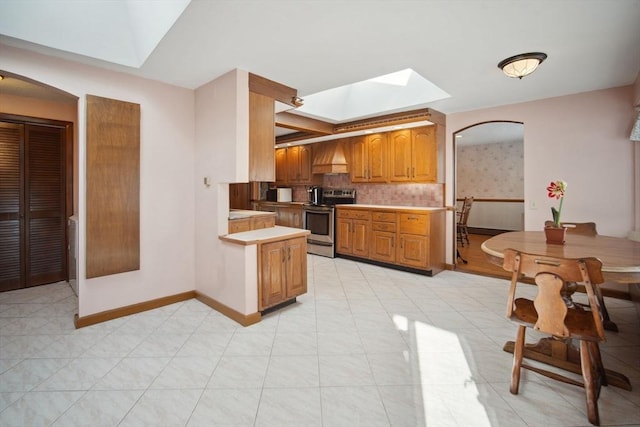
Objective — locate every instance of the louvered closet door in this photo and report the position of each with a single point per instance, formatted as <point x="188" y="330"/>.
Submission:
<point x="45" y="207"/>
<point x="32" y="205"/>
<point x="12" y="263"/>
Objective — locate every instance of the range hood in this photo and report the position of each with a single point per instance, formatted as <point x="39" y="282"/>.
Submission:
<point x="329" y="157"/>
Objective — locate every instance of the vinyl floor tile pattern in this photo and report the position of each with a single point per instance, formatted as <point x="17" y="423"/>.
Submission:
<point x="366" y="346"/>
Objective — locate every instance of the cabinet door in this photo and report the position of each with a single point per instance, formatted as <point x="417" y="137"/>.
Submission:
<point x="400" y="167"/>
<point x="289" y="216"/>
<point x="383" y="247"/>
<point x="272" y="273"/>
<point x="262" y="138"/>
<point x="358" y="163"/>
<point x="377" y="157"/>
<point x="296" y="267"/>
<point x="282" y="170"/>
<point x="343" y="236"/>
<point x="413" y="251"/>
<point x="425" y="154"/>
<point x="305" y="160"/>
<point x="293" y="164"/>
<point x="361" y="238"/>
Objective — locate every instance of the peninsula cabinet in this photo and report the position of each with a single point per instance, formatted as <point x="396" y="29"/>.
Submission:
<point x="369" y="158"/>
<point x="413" y="155"/>
<point x="353" y="232"/>
<point x="283" y="271"/>
<point x="405" y="238"/>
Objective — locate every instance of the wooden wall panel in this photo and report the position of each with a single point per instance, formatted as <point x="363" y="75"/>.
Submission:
<point x="113" y="187"/>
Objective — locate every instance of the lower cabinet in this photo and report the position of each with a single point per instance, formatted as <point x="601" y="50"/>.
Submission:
<point x="408" y="237"/>
<point x="287" y="215"/>
<point x="282" y="271"/>
<point x="383" y="236"/>
<point x="353" y="232"/>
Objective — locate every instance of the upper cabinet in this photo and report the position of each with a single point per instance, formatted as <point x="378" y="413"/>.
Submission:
<point x="413" y="155"/>
<point x="293" y="165"/>
<point x="299" y="163"/>
<point x="262" y="138"/>
<point x="369" y="158"/>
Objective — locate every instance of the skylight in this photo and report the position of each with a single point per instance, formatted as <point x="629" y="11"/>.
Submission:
<point x="389" y="93"/>
<point x="124" y="32"/>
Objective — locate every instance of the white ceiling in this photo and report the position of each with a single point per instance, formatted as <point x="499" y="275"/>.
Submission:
<point x="318" y="45"/>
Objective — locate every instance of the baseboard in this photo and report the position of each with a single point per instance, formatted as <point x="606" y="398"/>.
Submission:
<point x="243" y="319"/>
<point x="92" y="319"/>
<point x="486" y="231"/>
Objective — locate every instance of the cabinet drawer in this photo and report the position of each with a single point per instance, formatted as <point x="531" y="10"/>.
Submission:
<point x="414" y="224"/>
<point x="384" y="216"/>
<point x="239" y="225"/>
<point x="354" y="214"/>
<point x="384" y="226"/>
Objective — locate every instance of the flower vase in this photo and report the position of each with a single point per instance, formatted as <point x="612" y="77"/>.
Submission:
<point x="555" y="235"/>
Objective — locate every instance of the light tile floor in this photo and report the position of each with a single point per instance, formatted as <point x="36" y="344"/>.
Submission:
<point x="366" y="346"/>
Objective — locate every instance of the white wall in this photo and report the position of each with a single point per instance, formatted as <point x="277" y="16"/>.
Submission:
<point x="582" y="139"/>
<point x="166" y="177"/>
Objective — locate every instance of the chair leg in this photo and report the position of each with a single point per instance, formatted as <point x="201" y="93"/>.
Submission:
<point x="518" y="351"/>
<point x="598" y="365"/>
<point x="589" y="383"/>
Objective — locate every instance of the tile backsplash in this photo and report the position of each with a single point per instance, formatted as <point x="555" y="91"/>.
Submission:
<point x="410" y="194"/>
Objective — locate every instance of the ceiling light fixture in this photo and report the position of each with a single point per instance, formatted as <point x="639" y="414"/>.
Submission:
<point x="522" y="65"/>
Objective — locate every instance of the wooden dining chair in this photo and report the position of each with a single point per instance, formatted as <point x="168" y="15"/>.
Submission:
<point x="548" y="314"/>
<point x="461" y="223"/>
<point x="588" y="229"/>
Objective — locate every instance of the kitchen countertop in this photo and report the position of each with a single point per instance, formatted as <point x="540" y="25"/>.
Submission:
<point x="240" y="214"/>
<point x="393" y="207"/>
<point x="264" y="235"/>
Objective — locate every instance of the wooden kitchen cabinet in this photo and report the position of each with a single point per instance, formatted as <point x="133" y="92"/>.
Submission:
<point x="353" y="230"/>
<point x="254" y="222"/>
<point x="262" y="138"/>
<point x="293" y="165"/>
<point x="383" y="236"/>
<point x="282" y="169"/>
<point x="369" y="158"/>
<point x="299" y="160"/>
<point x="404" y="238"/>
<point x="413" y="155"/>
<point x="413" y="232"/>
<point x="283" y="271"/>
<point x="289" y="216"/>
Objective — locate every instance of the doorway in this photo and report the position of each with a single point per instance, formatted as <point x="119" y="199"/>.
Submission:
<point x="489" y="166"/>
<point x="35" y="189"/>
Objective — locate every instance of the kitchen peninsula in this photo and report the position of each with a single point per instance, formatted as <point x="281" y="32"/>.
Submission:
<point x="278" y="255"/>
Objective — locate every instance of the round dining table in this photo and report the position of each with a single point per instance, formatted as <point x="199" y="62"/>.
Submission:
<point x="620" y="259"/>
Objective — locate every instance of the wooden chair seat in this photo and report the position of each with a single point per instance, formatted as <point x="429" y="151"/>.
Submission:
<point x="578" y="321"/>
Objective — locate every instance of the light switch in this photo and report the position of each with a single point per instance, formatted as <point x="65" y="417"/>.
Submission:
<point x="207" y="181"/>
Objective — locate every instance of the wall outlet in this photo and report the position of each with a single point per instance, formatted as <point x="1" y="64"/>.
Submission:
<point x="532" y="205"/>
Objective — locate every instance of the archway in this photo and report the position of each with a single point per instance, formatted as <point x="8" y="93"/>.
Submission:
<point x="489" y="166"/>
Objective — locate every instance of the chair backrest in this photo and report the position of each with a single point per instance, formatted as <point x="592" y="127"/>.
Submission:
<point x="583" y="228"/>
<point x="464" y="211"/>
<point x="550" y="275"/>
